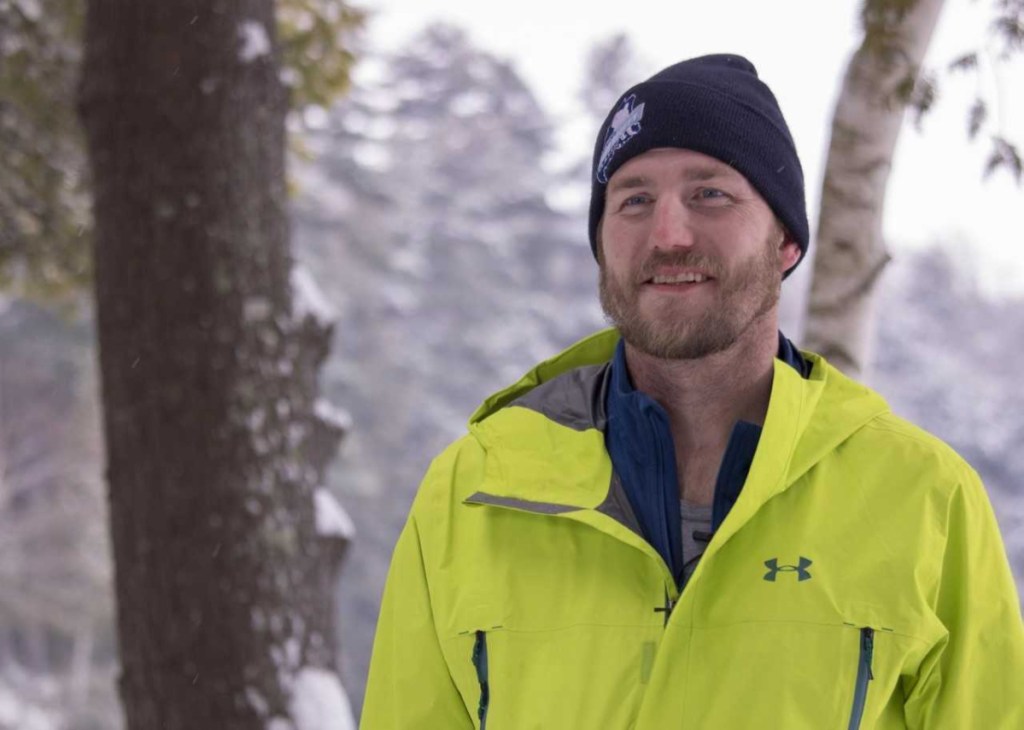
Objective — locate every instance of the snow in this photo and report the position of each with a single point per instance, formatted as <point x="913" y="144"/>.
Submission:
<point x="256" y="309"/>
<point x="332" y="415"/>
<point x="259" y="619"/>
<point x="289" y="77"/>
<point x="256" y="701"/>
<point x="315" y="117"/>
<point x="255" y="41"/>
<point x="379" y="129"/>
<point x="331" y="517"/>
<point x="308" y="299"/>
<point x="470" y="104"/>
<point x="256" y="420"/>
<point x="31" y="9"/>
<point x="373" y="156"/>
<point x="409" y="261"/>
<point x="319" y="701"/>
<point x="292" y="651"/>
<point x="16" y="711"/>
<point x="399" y="298"/>
<point x="319" y="191"/>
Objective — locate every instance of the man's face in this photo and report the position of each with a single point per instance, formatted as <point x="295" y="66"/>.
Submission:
<point x="690" y="254"/>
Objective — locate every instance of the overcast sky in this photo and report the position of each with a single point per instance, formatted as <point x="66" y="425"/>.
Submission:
<point x="800" y="48"/>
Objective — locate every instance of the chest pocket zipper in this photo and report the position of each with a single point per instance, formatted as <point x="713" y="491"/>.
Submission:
<point x="864" y="675"/>
<point x="480" y="663"/>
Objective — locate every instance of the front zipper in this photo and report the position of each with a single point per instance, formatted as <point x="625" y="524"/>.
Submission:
<point x="480" y="662"/>
<point x="864" y="675"/>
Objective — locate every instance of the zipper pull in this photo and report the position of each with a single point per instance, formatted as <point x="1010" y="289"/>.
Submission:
<point x="868" y="636"/>
<point x="667" y="608"/>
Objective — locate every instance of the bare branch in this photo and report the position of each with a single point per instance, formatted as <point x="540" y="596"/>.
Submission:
<point x="1009" y="26"/>
<point x="1005" y="154"/>
<point x="966" y="62"/>
<point x="976" y="117"/>
<point x="923" y="96"/>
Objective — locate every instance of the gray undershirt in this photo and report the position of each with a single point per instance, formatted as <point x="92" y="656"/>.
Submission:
<point x="695" y="518"/>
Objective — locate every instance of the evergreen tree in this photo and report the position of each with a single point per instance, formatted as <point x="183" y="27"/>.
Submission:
<point x="424" y="214"/>
<point x="948" y="359"/>
<point x="56" y="612"/>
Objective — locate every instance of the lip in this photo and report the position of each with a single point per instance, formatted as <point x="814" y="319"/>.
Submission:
<point x="681" y="288"/>
<point x="677" y="271"/>
<point x="677" y="286"/>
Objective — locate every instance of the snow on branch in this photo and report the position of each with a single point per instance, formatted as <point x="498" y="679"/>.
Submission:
<point x="333" y="416"/>
<point x="255" y="41"/>
<point x="319" y="701"/>
<point x="308" y="299"/>
<point x="331" y="518"/>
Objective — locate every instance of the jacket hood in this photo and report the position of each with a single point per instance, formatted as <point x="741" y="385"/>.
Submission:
<point x="792" y="442"/>
<point x="595" y="349"/>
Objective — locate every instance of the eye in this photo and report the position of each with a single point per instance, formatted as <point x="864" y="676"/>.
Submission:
<point x="635" y="200"/>
<point x="711" y="196"/>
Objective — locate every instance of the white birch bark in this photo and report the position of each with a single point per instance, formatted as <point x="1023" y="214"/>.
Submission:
<point x="81" y="666"/>
<point x="851" y="252"/>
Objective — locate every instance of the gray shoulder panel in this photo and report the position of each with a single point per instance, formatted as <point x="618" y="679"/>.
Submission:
<point x="617" y="506"/>
<point x="574" y="399"/>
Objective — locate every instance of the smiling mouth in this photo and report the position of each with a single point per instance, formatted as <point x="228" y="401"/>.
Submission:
<point x="689" y="277"/>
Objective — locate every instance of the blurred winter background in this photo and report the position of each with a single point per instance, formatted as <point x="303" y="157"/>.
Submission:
<point x="440" y="209"/>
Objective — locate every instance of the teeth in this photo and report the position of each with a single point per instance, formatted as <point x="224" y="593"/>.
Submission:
<point x="687" y="278"/>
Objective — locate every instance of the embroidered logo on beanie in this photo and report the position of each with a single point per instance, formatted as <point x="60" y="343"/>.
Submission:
<point x="625" y="125"/>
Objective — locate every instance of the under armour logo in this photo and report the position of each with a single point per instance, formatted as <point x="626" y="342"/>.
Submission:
<point x="801" y="570"/>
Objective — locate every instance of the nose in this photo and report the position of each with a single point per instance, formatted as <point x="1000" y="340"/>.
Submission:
<point x="672" y="226"/>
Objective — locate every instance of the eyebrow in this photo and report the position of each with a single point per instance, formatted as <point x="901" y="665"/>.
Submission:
<point x="705" y="173"/>
<point x="697" y="174"/>
<point x="637" y="181"/>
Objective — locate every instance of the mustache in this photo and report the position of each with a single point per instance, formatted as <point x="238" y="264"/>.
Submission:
<point x="679" y="258"/>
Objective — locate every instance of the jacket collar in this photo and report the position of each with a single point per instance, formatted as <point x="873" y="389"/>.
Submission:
<point x="528" y="451"/>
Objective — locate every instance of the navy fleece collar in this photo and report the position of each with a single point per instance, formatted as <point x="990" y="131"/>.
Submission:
<point x="639" y="441"/>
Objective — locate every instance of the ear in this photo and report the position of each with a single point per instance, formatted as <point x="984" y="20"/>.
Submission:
<point x="789" y="254"/>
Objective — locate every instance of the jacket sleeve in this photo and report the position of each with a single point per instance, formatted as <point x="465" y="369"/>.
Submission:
<point x="974" y="678"/>
<point x="409" y="685"/>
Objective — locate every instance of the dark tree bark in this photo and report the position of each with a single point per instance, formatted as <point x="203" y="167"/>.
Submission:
<point x="208" y="366"/>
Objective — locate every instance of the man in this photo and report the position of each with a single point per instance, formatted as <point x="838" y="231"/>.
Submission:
<point x="697" y="525"/>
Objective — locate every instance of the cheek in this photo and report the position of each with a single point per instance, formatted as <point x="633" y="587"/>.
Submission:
<point x="740" y="227"/>
<point x="615" y="250"/>
<point x="621" y="264"/>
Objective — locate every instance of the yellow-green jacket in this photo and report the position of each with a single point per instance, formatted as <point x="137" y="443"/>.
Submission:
<point x="858" y="582"/>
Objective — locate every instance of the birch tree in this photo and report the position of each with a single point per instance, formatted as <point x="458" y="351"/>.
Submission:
<point x="215" y="441"/>
<point x="884" y="77"/>
<point x="850" y="251"/>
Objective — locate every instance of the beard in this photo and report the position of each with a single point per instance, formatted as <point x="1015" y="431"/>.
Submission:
<point x="670" y="332"/>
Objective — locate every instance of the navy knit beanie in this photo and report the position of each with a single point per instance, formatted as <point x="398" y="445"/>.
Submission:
<point x="715" y="105"/>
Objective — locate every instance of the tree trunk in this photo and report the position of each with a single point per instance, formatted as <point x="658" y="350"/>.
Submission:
<point x="208" y="369"/>
<point x="80" y="665"/>
<point x="850" y="251"/>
